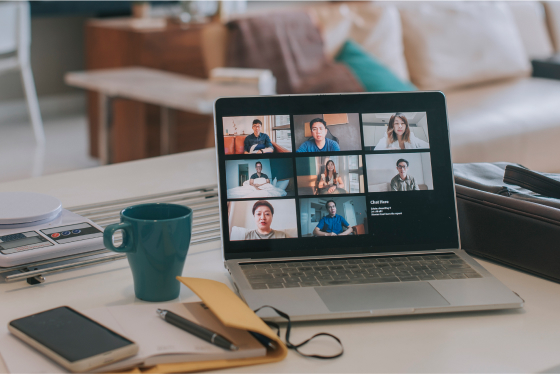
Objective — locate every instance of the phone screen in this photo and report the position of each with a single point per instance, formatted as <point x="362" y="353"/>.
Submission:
<point x="69" y="333"/>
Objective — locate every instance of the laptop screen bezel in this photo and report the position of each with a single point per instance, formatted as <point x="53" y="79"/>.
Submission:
<point x="431" y="102"/>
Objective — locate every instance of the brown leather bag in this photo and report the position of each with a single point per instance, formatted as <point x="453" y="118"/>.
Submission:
<point x="510" y="214"/>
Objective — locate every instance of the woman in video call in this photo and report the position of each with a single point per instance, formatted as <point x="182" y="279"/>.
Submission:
<point x="399" y="136"/>
<point x="263" y="212"/>
<point x="331" y="182"/>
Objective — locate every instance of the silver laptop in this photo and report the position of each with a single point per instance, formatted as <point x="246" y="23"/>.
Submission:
<point x="343" y="206"/>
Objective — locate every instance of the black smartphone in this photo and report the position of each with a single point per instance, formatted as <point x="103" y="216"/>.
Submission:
<point x="71" y="339"/>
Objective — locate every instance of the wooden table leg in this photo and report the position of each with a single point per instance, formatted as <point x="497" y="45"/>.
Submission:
<point x="167" y="131"/>
<point x="104" y="141"/>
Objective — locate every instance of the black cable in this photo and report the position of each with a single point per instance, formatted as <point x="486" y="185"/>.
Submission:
<point x="296" y="347"/>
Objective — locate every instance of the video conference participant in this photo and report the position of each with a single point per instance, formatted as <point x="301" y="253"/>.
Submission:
<point x="332" y="225"/>
<point x="263" y="213"/>
<point x="402" y="181"/>
<point x="399" y="136"/>
<point x="258" y="142"/>
<point x="258" y="174"/>
<point x="331" y="182"/>
<point x="319" y="143"/>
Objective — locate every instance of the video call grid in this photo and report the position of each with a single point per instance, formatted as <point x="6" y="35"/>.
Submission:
<point x="298" y="197"/>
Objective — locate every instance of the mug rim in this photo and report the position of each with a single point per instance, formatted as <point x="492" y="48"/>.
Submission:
<point x="189" y="212"/>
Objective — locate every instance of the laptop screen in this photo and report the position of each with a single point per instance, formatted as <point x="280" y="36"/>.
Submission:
<point x="334" y="174"/>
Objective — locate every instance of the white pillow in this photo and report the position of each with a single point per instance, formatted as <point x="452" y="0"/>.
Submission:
<point x="531" y="23"/>
<point x="376" y="28"/>
<point x="237" y="233"/>
<point x="283" y="184"/>
<point x="274" y="182"/>
<point x="246" y="183"/>
<point x="452" y="44"/>
<point x="259" y="180"/>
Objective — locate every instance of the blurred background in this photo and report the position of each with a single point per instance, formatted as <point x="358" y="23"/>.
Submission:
<point x="61" y="109"/>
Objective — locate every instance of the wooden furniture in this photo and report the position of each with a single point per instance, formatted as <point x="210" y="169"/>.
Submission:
<point x="112" y="43"/>
<point x="521" y="340"/>
<point x="144" y="86"/>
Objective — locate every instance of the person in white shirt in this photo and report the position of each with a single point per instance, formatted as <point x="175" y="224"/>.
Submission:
<point x="399" y="136"/>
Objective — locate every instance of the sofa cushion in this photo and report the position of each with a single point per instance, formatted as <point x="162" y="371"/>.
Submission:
<point x="240" y="144"/>
<point x="374" y="76"/>
<point x="452" y="44"/>
<point x="514" y="121"/>
<point x="553" y="21"/>
<point x="531" y="23"/>
<point x="376" y="28"/>
<point x="229" y="145"/>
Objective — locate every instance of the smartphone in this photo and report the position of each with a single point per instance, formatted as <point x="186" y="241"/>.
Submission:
<point x="71" y="339"/>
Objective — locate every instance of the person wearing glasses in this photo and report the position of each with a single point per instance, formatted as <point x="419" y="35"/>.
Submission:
<point x="332" y="224"/>
<point x="319" y="143"/>
<point x="258" y="142"/>
<point x="402" y="181"/>
<point x="257" y="175"/>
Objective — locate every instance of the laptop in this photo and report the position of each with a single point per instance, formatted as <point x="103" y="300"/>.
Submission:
<point x="343" y="206"/>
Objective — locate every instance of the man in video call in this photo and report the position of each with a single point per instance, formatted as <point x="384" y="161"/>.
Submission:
<point x="332" y="225"/>
<point x="258" y="174"/>
<point x="319" y="143"/>
<point x="402" y="181"/>
<point x="258" y="142"/>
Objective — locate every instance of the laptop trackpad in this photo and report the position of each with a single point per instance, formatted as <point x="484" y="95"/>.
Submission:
<point x="380" y="296"/>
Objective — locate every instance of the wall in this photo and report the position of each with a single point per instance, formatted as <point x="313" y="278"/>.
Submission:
<point x="348" y="135"/>
<point x="232" y="170"/>
<point x="57" y="46"/>
<point x="382" y="168"/>
<point x="427" y="169"/>
<point x="306" y="166"/>
<point x="284" y="214"/>
<point x="242" y="123"/>
<point x="282" y="168"/>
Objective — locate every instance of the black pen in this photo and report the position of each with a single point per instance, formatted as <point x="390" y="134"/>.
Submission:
<point x="196" y="330"/>
<point x="267" y="342"/>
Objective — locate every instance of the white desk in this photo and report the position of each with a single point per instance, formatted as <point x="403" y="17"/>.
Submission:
<point x="525" y="340"/>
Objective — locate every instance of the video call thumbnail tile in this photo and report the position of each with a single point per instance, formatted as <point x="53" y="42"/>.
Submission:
<point x="330" y="175"/>
<point x="259" y="178"/>
<point x="399" y="172"/>
<point x="257" y="134"/>
<point x="327" y="132"/>
<point x="333" y="216"/>
<point x="395" y="131"/>
<point x="262" y="219"/>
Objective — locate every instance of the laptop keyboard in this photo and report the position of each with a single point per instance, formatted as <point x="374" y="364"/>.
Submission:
<point x="357" y="270"/>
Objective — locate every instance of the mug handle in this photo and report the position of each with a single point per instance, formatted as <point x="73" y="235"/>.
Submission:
<point x="128" y="241"/>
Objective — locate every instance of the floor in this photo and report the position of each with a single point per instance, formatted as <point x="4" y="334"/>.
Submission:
<point x="66" y="148"/>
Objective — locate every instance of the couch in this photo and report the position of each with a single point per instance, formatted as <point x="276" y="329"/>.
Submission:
<point x="477" y="53"/>
<point x="235" y="145"/>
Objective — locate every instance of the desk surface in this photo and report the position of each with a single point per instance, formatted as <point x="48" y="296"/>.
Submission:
<point x="525" y="340"/>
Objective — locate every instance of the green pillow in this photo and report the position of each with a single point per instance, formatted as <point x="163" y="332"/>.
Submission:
<point x="372" y="74"/>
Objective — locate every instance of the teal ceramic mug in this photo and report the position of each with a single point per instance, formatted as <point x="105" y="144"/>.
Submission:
<point x="156" y="239"/>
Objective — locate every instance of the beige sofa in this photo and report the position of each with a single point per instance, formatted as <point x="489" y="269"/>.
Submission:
<point x="477" y="53"/>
